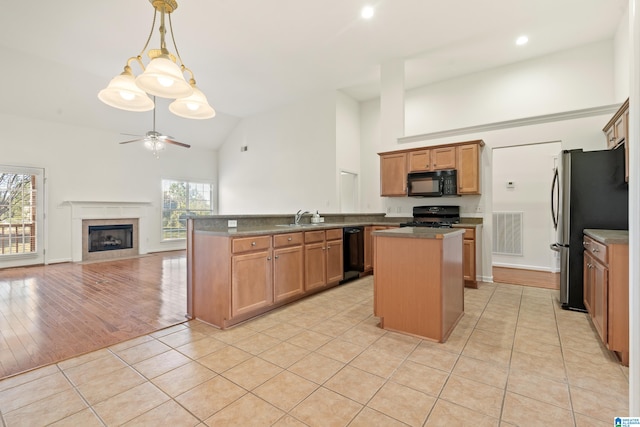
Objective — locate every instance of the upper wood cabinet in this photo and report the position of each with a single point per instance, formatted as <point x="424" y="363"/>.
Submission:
<point x="432" y="159"/>
<point x="462" y="156"/>
<point x="443" y="158"/>
<point x="616" y="131"/>
<point x="393" y="174"/>
<point x="419" y="160"/>
<point x="468" y="169"/>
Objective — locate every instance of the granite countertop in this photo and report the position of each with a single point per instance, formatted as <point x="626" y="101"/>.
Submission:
<point x="608" y="237"/>
<point x="419" y="232"/>
<point x="287" y="228"/>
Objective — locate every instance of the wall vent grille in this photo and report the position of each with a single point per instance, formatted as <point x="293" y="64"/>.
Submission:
<point x="507" y="233"/>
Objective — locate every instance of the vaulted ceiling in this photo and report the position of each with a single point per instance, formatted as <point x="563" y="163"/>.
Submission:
<point x="250" y="56"/>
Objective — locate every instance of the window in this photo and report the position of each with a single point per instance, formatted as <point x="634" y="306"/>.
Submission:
<point x="180" y="198"/>
<point x="18" y="201"/>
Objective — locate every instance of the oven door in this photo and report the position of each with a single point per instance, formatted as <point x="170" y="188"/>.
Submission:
<point x="425" y="184"/>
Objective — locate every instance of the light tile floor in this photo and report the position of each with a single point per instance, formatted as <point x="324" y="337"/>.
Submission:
<point x="515" y="359"/>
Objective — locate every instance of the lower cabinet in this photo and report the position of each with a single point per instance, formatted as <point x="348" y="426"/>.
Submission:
<point x="606" y="293"/>
<point x="368" y="244"/>
<point x="324" y="262"/>
<point x="251" y="282"/>
<point x="233" y="279"/>
<point x="470" y="251"/>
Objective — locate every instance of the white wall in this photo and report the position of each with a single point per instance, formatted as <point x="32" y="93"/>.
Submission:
<point x="528" y="169"/>
<point x="83" y="164"/>
<point x="347" y="140"/>
<point x="290" y="164"/>
<point x="569" y="80"/>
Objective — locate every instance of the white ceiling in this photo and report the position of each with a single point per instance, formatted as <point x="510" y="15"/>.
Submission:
<point x="249" y="56"/>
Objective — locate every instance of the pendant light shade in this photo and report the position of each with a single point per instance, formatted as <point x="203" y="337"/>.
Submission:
<point x="163" y="78"/>
<point x="123" y="93"/>
<point x="194" y="106"/>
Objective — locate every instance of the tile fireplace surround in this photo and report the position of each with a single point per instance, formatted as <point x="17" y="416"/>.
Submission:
<point x="85" y="213"/>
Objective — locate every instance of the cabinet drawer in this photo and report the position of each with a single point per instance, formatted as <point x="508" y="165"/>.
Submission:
<point x="596" y="249"/>
<point x="334" y="234"/>
<point x="289" y="239"/>
<point x="245" y="244"/>
<point x="313" y="236"/>
<point x="470" y="233"/>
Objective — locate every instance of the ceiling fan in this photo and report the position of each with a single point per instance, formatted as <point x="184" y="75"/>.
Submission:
<point x="154" y="140"/>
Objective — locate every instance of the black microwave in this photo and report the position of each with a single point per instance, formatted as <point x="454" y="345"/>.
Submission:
<point x="433" y="184"/>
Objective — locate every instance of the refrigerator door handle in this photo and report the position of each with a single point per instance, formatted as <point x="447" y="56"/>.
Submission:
<point x="554" y="247"/>
<point x="555" y="185"/>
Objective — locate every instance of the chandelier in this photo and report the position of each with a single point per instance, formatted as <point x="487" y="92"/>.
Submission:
<point x="162" y="77"/>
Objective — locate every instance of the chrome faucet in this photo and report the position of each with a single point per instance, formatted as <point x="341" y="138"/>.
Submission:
<point x="296" y="218"/>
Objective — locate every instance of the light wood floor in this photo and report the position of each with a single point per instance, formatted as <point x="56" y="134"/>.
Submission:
<point x="51" y="313"/>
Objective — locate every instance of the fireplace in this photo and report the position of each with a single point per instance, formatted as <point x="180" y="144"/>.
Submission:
<point x="104" y="239"/>
<point x="111" y="237"/>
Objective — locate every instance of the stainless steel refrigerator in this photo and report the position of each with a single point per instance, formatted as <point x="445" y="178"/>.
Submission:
<point x="588" y="191"/>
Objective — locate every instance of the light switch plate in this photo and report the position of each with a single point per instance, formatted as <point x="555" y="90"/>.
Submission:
<point x="232" y="223"/>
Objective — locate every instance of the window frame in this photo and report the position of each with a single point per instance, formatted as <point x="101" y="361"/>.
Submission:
<point x="188" y="210"/>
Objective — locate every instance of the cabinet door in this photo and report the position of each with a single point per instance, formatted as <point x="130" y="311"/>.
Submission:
<point x="251" y="284"/>
<point x="419" y="160"/>
<point x="443" y="158"/>
<point x="335" y="261"/>
<point x="600" y="299"/>
<point x="315" y="262"/>
<point x="288" y="266"/>
<point x="393" y="174"/>
<point x="469" y="259"/>
<point x="588" y="278"/>
<point x="468" y="169"/>
<point x="620" y="129"/>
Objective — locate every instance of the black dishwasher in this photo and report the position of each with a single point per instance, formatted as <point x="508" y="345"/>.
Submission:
<point x="353" y="240"/>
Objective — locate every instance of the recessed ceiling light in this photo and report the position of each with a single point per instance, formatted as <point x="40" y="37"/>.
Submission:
<point x="522" y="40"/>
<point x="367" y="12"/>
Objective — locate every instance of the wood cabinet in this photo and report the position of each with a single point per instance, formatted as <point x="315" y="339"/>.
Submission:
<point x="251" y="274"/>
<point x="468" y="169"/>
<point x="233" y="279"/>
<point x="432" y="159"/>
<point x="393" y="175"/>
<point x="606" y="293"/>
<point x="419" y="160"/>
<point x="288" y="266"/>
<point x="324" y="263"/>
<point x="463" y="156"/>
<point x="368" y="244"/>
<point x="469" y="256"/>
<point x="418" y="284"/>
<point x="616" y="132"/>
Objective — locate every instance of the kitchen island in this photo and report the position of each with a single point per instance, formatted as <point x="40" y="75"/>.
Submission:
<point x="418" y="282"/>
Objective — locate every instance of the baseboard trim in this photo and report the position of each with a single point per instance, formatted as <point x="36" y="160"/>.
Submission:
<point x="525" y="277"/>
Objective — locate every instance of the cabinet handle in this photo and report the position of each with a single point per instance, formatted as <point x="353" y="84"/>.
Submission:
<point x="289" y="239"/>
<point x="328" y="247"/>
<point x="324" y="249"/>
<point x="277" y="256"/>
<point x="585" y="244"/>
<point x="594" y="250"/>
<point x="268" y="258"/>
<point x="253" y="243"/>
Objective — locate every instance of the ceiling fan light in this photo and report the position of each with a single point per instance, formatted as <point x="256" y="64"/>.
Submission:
<point x="163" y="78"/>
<point x="195" y="106"/>
<point x="123" y="93"/>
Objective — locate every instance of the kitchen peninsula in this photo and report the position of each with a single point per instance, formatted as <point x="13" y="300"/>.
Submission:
<point x="418" y="282"/>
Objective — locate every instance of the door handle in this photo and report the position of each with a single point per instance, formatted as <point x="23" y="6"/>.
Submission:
<point x="554" y="247"/>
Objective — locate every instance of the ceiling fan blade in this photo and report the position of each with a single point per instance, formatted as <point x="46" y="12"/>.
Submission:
<point x="171" y="141"/>
<point x="132" y="140"/>
<point x="131" y="134"/>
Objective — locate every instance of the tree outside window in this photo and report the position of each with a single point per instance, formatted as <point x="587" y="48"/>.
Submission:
<point x="182" y="198"/>
<point x="17" y="213"/>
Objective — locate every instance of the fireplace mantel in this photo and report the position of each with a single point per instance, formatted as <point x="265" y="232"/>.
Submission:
<point x="97" y="209"/>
